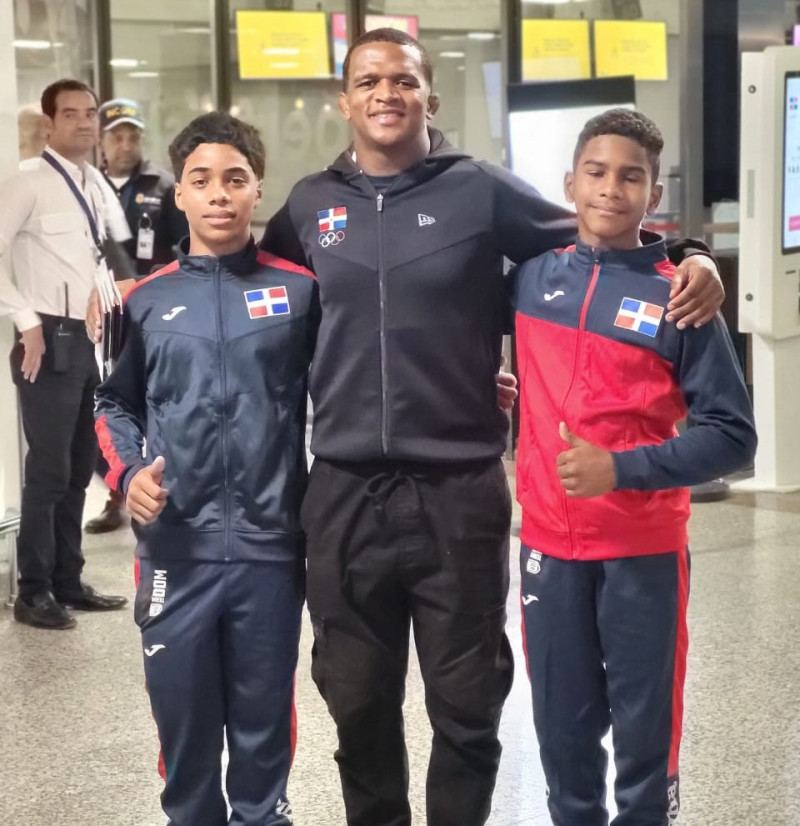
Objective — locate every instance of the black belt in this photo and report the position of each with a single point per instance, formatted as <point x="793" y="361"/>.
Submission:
<point x="56" y="320"/>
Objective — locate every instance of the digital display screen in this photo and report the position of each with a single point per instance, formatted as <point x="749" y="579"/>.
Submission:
<point x="282" y="44"/>
<point x="790" y="241"/>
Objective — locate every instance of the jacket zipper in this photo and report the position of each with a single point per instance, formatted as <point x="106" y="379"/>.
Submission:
<point x="579" y="346"/>
<point x="223" y="416"/>
<point x="382" y="328"/>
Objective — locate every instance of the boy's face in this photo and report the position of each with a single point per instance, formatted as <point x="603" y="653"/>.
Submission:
<point x="612" y="188"/>
<point x="218" y="191"/>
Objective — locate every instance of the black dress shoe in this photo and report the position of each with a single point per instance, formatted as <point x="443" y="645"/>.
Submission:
<point x="87" y="599"/>
<point x="42" y="611"/>
<point x="110" y="519"/>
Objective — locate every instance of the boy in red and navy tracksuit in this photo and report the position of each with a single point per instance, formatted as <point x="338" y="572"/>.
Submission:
<point x="602" y="477"/>
<point x="202" y="423"/>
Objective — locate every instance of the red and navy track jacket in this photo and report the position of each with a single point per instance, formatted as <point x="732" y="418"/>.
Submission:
<point x="594" y="351"/>
<point x="212" y="375"/>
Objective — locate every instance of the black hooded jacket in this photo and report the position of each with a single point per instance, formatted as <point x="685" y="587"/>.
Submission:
<point x="413" y="306"/>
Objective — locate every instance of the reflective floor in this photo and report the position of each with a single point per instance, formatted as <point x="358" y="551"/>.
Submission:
<point x="79" y="747"/>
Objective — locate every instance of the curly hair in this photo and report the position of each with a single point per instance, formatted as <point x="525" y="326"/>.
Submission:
<point x="218" y="127"/>
<point x="626" y="123"/>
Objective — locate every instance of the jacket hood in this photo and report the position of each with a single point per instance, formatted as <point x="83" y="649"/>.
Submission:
<point x="442" y="155"/>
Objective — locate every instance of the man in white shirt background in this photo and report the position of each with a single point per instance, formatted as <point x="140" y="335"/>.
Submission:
<point x="55" y="216"/>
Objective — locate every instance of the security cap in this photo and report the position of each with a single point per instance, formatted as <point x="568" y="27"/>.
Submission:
<point x="121" y="110"/>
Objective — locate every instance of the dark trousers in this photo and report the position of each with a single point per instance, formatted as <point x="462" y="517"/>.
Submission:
<point x="220" y="645"/>
<point x="606" y="645"/>
<point x="58" y="421"/>
<point x="391" y="545"/>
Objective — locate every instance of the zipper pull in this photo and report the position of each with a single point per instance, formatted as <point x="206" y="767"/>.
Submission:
<point x="380" y="202"/>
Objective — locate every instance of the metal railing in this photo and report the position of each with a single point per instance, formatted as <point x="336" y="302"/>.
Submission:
<point x="9" y="528"/>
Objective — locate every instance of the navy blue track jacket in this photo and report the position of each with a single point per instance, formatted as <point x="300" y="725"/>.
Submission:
<point x="213" y="377"/>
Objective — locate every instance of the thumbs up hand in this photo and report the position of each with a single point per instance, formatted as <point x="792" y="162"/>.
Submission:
<point x="585" y="470"/>
<point x="146" y="498"/>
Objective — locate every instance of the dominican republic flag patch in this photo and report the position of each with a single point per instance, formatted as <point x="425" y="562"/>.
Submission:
<point x="331" y="219"/>
<point x="639" y="316"/>
<point x="269" y="301"/>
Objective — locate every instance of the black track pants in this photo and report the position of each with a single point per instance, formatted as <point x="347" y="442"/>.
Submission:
<point x="390" y="545"/>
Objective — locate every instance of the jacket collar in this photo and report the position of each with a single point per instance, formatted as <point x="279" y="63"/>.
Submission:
<point x="242" y="262"/>
<point x="653" y="251"/>
<point x="441" y="155"/>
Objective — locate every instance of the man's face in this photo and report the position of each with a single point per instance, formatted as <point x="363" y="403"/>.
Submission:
<point x="387" y="99"/>
<point x="122" y="148"/>
<point x="73" y="128"/>
<point x="218" y="191"/>
<point x="612" y="188"/>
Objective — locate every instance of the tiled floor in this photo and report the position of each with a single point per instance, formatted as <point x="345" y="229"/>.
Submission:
<point x="79" y="748"/>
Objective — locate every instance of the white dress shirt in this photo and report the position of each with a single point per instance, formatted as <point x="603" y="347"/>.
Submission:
<point x="46" y="240"/>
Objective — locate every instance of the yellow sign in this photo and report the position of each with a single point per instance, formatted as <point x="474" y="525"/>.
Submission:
<point x="279" y="44"/>
<point x="626" y="47"/>
<point x="555" y="49"/>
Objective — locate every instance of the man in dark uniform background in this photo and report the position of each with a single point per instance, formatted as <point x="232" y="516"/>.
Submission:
<point x="147" y="194"/>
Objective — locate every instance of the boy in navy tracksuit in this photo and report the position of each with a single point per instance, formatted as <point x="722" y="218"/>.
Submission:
<point x="602" y="478"/>
<point x="202" y="423"/>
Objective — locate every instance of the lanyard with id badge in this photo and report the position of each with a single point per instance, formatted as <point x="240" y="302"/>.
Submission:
<point x="145" y="238"/>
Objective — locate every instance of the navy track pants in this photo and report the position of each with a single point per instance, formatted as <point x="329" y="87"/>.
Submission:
<point x="220" y="645"/>
<point x="606" y="645"/>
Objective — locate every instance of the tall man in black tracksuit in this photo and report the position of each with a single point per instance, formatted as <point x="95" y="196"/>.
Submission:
<point x="407" y="511"/>
<point x="147" y="194"/>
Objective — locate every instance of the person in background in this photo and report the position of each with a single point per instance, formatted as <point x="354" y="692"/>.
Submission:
<point x="147" y="194"/>
<point x="52" y="229"/>
<point x="32" y="131"/>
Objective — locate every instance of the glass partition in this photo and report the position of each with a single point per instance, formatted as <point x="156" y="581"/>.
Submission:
<point x="161" y="58"/>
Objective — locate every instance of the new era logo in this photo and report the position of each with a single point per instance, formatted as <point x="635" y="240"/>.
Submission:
<point x="425" y="220"/>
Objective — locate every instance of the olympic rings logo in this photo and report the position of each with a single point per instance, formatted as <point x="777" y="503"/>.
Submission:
<point x="331" y="239"/>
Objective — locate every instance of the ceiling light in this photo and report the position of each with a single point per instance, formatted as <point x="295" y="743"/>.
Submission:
<point x="35" y="44"/>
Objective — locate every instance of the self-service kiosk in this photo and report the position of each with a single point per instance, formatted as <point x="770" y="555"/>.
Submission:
<point x="769" y="262"/>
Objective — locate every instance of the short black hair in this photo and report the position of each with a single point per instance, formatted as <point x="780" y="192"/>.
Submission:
<point x="218" y="127"/>
<point x="66" y="84"/>
<point x="628" y="124"/>
<point x="387" y="35"/>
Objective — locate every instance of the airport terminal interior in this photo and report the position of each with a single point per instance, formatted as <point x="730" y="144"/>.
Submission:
<point x="79" y="745"/>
